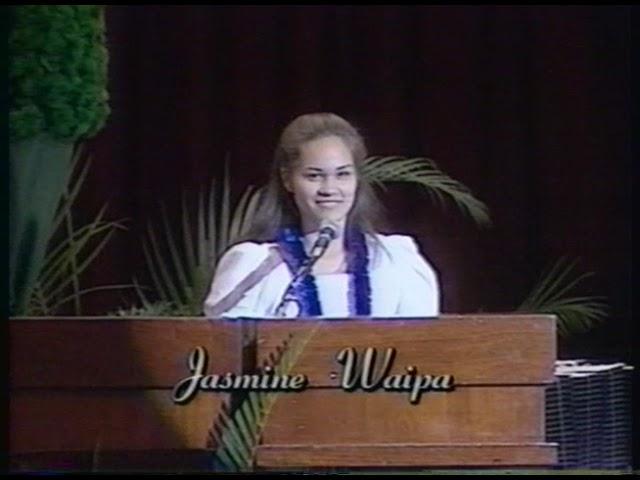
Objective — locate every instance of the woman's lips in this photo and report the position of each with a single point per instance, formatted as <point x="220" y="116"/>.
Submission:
<point x="328" y="203"/>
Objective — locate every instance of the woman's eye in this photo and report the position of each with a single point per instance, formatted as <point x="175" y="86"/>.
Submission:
<point x="312" y="176"/>
<point x="344" y="174"/>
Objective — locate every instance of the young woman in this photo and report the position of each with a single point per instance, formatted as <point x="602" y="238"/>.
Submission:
<point x="316" y="186"/>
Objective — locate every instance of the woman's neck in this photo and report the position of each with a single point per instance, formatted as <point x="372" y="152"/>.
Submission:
<point x="334" y="249"/>
<point x="312" y="227"/>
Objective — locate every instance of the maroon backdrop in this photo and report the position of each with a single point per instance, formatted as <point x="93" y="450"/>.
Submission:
<point x="528" y="106"/>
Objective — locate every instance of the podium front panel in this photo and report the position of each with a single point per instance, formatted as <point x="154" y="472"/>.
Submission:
<point x="494" y="416"/>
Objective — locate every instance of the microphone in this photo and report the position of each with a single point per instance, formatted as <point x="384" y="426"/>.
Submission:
<point x="327" y="232"/>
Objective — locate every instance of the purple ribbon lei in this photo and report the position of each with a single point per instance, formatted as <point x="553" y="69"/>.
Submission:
<point x="359" y="292"/>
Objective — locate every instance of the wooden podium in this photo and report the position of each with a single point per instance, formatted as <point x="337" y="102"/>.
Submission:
<point x="494" y="417"/>
<point x="95" y="393"/>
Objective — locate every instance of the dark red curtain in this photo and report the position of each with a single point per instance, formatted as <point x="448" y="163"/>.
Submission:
<point x="527" y="106"/>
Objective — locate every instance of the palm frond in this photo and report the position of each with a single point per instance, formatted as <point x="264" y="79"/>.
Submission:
<point x="68" y="198"/>
<point x="72" y="251"/>
<point x="59" y="255"/>
<point x="179" y="267"/>
<point x="155" y="276"/>
<point x="187" y="237"/>
<point x="181" y="273"/>
<point x="237" y="435"/>
<point x="156" y="309"/>
<point x="576" y="314"/>
<point x="208" y="234"/>
<point x="66" y="261"/>
<point x="166" y="279"/>
<point x="71" y="192"/>
<point x="425" y="173"/>
<point x="243" y="214"/>
<point x="80" y="293"/>
<point x="73" y="265"/>
<point x="78" y="269"/>
<point x="225" y="208"/>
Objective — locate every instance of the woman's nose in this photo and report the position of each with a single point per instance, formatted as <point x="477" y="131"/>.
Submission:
<point x="328" y="186"/>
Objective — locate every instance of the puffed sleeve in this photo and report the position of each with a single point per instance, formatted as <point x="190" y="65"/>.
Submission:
<point x="420" y="295"/>
<point x="234" y="266"/>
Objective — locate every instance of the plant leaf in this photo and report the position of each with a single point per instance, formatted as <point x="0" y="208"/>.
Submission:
<point x="186" y="284"/>
<point x="161" y="265"/>
<point x="187" y="236"/>
<point x="177" y="262"/>
<point x="576" y="314"/>
<point x="155" y="277"/>
<point x="225" y="211"/>
<point x="92" y="255"/>
<point x="89" y="290"/>
<point x="244" y="427"/>
<point x="425" y="173"/>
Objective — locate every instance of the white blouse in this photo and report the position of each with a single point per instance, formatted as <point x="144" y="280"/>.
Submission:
<point x="403" y="283"/>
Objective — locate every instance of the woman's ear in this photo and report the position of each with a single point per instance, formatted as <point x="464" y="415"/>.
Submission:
<point x="284" y="176"/>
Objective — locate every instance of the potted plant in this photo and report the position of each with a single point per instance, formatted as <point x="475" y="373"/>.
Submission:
<point x="58" y="80"/>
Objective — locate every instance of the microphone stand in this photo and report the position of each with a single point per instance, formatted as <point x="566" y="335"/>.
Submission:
<point x="289" y="294"/>
<point x="327" y="233"/>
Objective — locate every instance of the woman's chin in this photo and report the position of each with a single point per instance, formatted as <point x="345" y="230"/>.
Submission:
<point x="318" y="218"/>
<point x="329" y="216"/>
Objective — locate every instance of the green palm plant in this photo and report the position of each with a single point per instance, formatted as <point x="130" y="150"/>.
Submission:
<point x="576" y="314"/>
<point x="237" y="434"/>
<point x="425" y="173"/>
<point x="58" y="281"/>
<point x="181" y="273"/>
<point x="58" y="96"/>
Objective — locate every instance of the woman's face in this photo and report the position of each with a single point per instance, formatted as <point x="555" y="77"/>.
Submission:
<point x="323" y="182"/>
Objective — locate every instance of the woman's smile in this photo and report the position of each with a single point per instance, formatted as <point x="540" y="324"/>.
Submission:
<point x="328" y="203"/>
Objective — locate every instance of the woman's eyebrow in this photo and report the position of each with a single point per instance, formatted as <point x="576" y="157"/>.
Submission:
<point x="318" y="169"/>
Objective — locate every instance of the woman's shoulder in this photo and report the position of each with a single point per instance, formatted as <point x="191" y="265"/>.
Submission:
<point x="249" y="248"/>
<point x="245" y="254"/>
<point x="395" y="244"/>
<point x="408" y="271"/>
<point x="401" y="251"/>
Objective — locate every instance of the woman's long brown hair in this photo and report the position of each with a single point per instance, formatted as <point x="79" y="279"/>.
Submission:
<point x="276" y="206"/>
